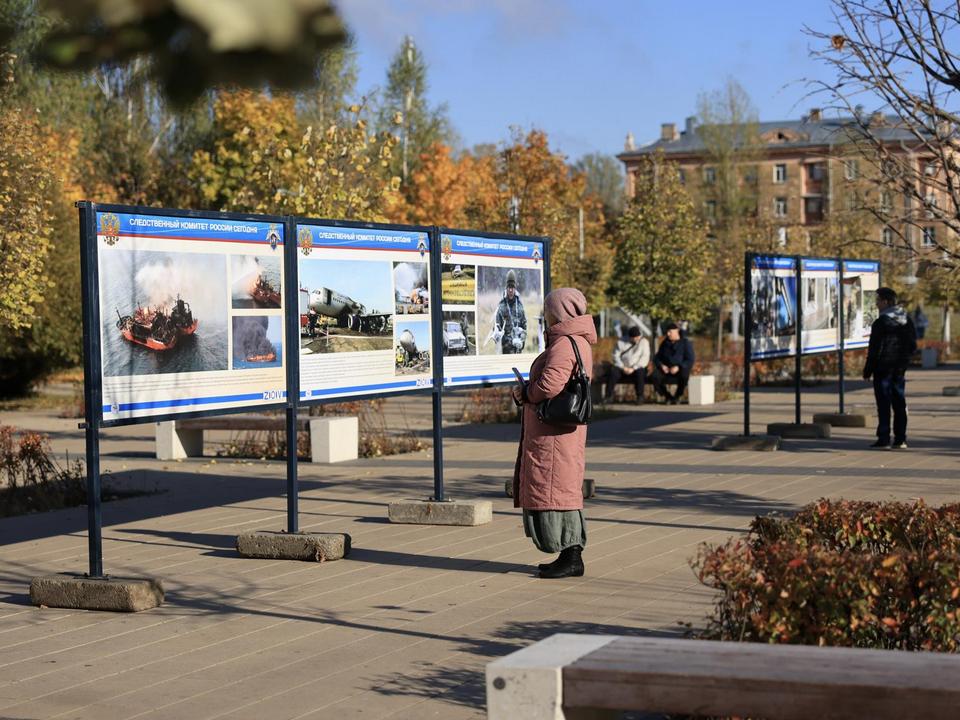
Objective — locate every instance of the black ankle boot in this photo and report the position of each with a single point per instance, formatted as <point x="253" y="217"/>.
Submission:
<point x="569" y="564"/>
<point x="544" y="566"/>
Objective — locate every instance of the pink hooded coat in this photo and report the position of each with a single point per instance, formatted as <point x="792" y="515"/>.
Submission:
<point x="549" y="470"/>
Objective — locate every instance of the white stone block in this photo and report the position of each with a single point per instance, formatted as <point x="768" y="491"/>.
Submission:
<point x="334" y="439"/>
<point x="528" y="683"/>
<point x="700" y="391"/>
<point x="928" y="358"/>
<point x="175" y="444"/>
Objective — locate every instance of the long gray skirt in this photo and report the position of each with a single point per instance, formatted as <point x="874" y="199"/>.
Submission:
<point x="555" y="530"/>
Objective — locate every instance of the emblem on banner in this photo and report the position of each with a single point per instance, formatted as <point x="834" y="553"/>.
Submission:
<point x="447" y="247"/>
<point x="536" y="255"/>
<point x="422" y="247"/>
<point x="110" y="228"/>
<point x="305" y="239"/>
<point x="273" y="235"/>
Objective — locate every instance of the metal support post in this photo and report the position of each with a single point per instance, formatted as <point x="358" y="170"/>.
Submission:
<point x="292" y="352"/>
<point x="92" y="389"/>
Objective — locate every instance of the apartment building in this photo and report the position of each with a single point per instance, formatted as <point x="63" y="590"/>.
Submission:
<point x="801" y="171"/>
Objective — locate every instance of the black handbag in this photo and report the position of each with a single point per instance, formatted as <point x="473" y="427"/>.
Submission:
<point x="572" y="405"/>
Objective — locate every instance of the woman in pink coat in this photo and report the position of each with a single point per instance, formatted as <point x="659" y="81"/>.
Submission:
<point x="548" y="477"/>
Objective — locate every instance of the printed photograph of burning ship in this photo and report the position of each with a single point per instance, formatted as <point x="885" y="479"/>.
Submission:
<point x="162" y="312"/>
<point x="255" y="282"/>
<point x="257" y="341"/>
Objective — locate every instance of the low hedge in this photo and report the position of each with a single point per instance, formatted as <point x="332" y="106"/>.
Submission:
<point x="854" y="574"/>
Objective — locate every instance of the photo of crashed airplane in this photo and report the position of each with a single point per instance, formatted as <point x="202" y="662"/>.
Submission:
<point x="340" y="314"/>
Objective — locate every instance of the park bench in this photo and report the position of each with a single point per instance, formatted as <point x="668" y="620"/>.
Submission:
<point x="332" y="438"/>
<point x="700" y="389"/>
<point x="575" y="677"/>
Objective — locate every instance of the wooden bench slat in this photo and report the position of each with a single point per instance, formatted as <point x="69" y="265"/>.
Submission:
<point x="774" y="681"/>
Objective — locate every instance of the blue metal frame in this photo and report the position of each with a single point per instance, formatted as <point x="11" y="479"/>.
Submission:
<point x="90" y="252"/>
<point x="547" y="285"/>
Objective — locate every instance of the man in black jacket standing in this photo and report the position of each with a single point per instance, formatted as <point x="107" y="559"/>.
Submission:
<point x="672" y="364"/>
<point x="893" y="340"/>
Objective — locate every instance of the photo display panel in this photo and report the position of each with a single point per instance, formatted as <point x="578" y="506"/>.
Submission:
<point x="773" y="305"/>
<point x="861" y="279"/>
<point x="191" y="314"/>
<point x="492" y="304"/>
<point x="819" y="297"/>
<point x="364" y="305"/>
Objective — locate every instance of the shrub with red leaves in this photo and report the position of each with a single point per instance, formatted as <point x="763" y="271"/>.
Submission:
<point x="854" y="574"/>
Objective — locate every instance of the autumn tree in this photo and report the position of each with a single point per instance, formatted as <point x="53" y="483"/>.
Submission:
<point x="405" y="110"/>
<point x="662" y="257"/>
<point x="604" y="180"/>
<point x="261" y="159"/>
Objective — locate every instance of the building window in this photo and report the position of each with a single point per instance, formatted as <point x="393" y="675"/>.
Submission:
<point x="780" y="207"/>
<point x="930" y="205"/>
<point x="780" y="173"/>
<point x="710" y="175"/>
<point x="710" y="208"/>
<point x="886" y="202"/>
<point x="929" y="237"/>
<point x="851" y="169"/>
<point x="815" y="172"/>
<point x="887" y="236"/>
<point x="750" y="175"/>
<point x="930" y="169"/>
<point x="850" y="202"/>
<point x="782" y="236"/>
<point x="813" y="209"/>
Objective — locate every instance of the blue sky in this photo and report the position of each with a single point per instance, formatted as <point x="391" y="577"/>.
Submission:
<point x="589" y="71"/>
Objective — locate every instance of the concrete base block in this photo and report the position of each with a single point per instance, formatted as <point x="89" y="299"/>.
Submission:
<point x="929" y="357"/>
<point x="800" y="431"/>
<point x="761" y="443"/>
<point x="80" y="592"/>
<point x="177" y="444"/>
<point x="854" y="420"/>
<point x="314" y="547"/>
<point x="953" y="391"/>
<point x="428" y="512"/>
<point x="528" y="684"/>
<point x="700" y="391"/>
<point x="334" y="439"/>
<point x="589" y="488"/>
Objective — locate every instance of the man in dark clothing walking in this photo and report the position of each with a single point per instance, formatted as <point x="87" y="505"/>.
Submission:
<point x="672" y="364"/>
<point x="893" y="340"/>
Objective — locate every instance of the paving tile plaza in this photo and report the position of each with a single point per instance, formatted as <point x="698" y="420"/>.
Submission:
<point x="405" y="626"/>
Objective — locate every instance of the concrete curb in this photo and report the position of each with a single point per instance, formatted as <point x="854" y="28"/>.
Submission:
<point x="80" y="592"/>
<point x="854" y="420"/>
<point x="276" y="545"/>
<point x="429" y="512"/>
<point x="799" y="431"/>
<point x="760" y="443"/>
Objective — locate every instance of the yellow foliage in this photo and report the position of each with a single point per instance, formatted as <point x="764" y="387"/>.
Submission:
<point x="262" y="160"/>
<point x="26" y="181"/>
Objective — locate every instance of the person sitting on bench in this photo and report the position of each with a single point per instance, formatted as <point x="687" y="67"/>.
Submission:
<point x="630" y="359"/>
<point x="672" y="364"/>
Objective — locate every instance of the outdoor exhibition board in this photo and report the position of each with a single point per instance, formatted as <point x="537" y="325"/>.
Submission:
<point x="190" y="312"/>
<point x="491" y="289"/>
<point x="364" y="310"/>
<point x="861" y="278"/>
<point x="773" y="306"/>
<point x="819" y="297"/>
